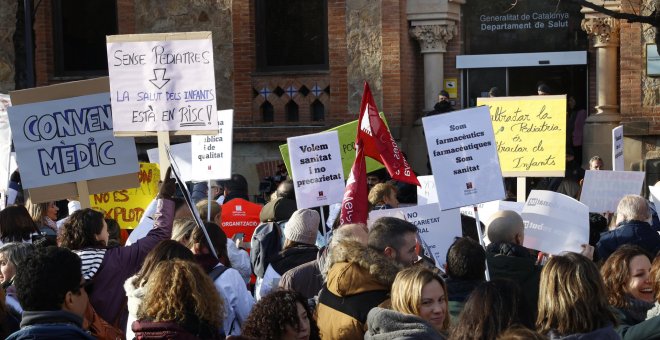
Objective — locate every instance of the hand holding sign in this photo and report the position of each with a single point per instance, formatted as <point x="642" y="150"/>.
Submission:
<point x="168" y="187"/>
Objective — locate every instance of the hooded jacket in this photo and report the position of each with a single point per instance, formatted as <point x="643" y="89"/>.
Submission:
<point x="385" y="324"/>
<point x="359" y="279"/>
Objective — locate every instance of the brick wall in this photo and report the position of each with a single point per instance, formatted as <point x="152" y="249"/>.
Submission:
<point x="43" y="41"/>
<point x="632" y="75"/>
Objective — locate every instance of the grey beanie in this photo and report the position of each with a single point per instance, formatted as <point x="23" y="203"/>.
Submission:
<point x="303" y="226"/>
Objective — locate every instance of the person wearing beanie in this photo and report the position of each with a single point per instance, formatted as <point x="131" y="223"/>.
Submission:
<point x="299" y="248"/>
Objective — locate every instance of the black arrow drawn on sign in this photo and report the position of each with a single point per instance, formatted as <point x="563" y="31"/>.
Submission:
<point x="159" y="78"/>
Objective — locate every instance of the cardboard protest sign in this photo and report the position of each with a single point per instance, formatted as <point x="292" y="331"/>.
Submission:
<point x="555" y="223"/>
<point x="437" y="228"/>
<point x="602" y="190"/>
<point x="182" y="155"/>
<point x="530" y="133"/>
<point x="211" y="155"/>
<point x="463" y="157"/>
<point x="654" y="193"/>
<point x="189" y="201"/>
<point x="487" y="209"/>
<point x="617" y="148"/>
<point x="346" y="134"/>
<point x="316" y="169"/>
<point x="63" y="135"/>
<point x="426" y="191"/>
<point x="5" y="144"/>
<point x="127" y="206"/>
<point x="162" y="82"/>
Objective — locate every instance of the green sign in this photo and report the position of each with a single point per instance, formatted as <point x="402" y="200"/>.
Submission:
<point x="346" y="134"/>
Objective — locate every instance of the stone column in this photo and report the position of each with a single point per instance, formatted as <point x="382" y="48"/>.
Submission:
<point x="598" y="127"/>
<point x="433" y="41"/>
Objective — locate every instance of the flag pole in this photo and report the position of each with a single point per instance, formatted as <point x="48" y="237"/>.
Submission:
<point x="481" y="238"/>
<point x="208" y="202"/>
<point x="323" y="226"/>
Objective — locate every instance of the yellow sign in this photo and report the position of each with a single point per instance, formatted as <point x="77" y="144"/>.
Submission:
<point x="530" y="133"/>
<point x="451" y="87"/>
<point x="127" y="206"/>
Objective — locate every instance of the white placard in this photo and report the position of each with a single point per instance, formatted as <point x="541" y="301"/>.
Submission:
<point x="555" y="223"/>
<point x="487" y="209"/>
<point x="463" y="157"/>
<point x="437" y="228"/>
<point x="655" y="196"/>
<point x="426" y="192"/>
<point x="69" y="140"/>
<point x="211" y="155"/>
<point x="5" y="143"/>
<point x="318" y="176"/>
<point x="617" y="148"/>
<point x="602" y="190"/>
<point x="182" y="156"/>
<point x="160" y="85"/>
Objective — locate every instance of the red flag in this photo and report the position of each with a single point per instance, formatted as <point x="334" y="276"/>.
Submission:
<point x="355" y="204"/>
<point x="378" y="142"/>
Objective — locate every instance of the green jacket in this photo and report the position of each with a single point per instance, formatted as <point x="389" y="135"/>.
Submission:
<point x="645" y="330"/>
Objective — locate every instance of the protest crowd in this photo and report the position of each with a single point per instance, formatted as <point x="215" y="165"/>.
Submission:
<point x="380" y="254"/>
<point x="73" y="275"/>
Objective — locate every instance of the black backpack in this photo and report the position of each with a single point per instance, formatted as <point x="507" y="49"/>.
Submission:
<point x="266" y="243"/>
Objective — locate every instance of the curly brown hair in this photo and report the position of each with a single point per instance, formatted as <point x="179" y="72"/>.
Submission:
<point x="616" y="273"/>
<point x="80" y="230"/>
<point x="270" y="316"/>
<point x="182" y="292"/>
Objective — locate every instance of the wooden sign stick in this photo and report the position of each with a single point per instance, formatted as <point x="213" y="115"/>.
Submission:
<point x="83" y="194"/>
<point x="163" y="143"/>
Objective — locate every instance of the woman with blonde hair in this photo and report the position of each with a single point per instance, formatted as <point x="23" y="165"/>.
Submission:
<point x="180" y="302"/>
<point x="383" y="196"/>
<point x="419" y="307"/>
<point x="44" y="216"/>
<point x="572" y="300"/>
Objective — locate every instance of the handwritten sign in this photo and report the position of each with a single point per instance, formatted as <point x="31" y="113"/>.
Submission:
<point x="555" y="223"/>
<point x="617" y="148"/>
<point x="5" y="144"/>
<point x="69" y="140"/>
<point x="346" y="133"/>
<point x="127" y="206"/>
<point x="463" y="157"/>
<point x="438" y="229"/>
<point x="162" y="82"/>
<point x="182" y="155"/>
<point x="602" y="190"/>
<point x="316" y="169"/>
<point x="211" y="155"/>
<point x="530" y="133"/>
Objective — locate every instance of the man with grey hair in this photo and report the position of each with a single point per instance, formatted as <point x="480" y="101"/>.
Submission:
<point x="632" y="227"/>
<point x="508" y="258"/>
<point x="307" y="279"/>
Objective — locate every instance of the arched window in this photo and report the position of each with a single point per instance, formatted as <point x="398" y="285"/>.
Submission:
<point x="267" y="112"/>
<point x="318" y="111"/>
<point x="291" y="111"/>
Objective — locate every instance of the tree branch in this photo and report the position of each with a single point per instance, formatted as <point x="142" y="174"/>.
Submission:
<point x="650" y="19"/>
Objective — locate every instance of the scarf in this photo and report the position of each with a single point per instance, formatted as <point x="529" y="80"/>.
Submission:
<point x="637" y="308"/>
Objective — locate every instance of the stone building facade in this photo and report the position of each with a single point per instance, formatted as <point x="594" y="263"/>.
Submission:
<point x="405" y="49"/>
